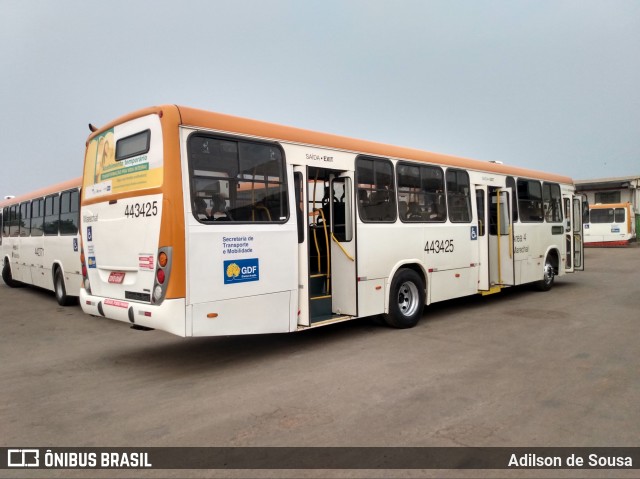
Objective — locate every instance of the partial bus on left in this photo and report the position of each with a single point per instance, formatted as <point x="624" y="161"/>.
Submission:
<point x="39" y="244"/>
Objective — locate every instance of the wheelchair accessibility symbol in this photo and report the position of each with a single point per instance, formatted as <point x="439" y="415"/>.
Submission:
<point x="474" y="233"/>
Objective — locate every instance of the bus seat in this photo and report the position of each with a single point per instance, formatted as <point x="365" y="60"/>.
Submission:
<point x="414" y="213"/>
<point x="403" y="209"/>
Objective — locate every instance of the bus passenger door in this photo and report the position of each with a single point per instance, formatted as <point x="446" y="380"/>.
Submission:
<point x="501" y="267"/>
<point x="482" y="238"/>
<point x="301" y="199"/>
<point x="343" y="246"/>
<point x="578" y="234"/>
<point x="568" y="233"/>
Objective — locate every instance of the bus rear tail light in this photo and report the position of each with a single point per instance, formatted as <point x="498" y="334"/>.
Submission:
<point x="163" y="271"/>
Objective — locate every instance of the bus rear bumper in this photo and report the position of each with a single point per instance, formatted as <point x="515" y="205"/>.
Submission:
<point x="168" y="316"/>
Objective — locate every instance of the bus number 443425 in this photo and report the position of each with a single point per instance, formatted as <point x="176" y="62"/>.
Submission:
<point x="437" y="246"/>
<point x="137" y="210"/>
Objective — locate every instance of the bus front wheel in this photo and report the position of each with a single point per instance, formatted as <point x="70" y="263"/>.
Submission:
<point x="548" y="276"/>
<point x="406" y="299"/>
<point x="7" y="277"/>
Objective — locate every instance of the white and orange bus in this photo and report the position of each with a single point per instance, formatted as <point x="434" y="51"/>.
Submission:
<point x="205" y="224"/>
<point x="39" y="244"/>
<point x="609" y="225"/>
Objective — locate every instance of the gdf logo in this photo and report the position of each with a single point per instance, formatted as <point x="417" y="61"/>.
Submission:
<point x="23" y="458"/>
<point x="241" y="270"/>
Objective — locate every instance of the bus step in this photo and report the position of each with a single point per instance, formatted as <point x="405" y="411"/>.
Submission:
<point x="329" y="319"/>
<point x="319" y="308"/>
<point x="317" y="285"/>
<point x="492" y="290"/>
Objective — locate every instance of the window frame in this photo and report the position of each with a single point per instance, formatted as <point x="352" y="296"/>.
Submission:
<point x="136" y="153"/>
<point x="74" y="215"/>
<point x="284" y="183"/>
<point x="528" y="199"/>
<point x="40" y="202"/>
<point x="510" y="182"/>
<point x="54" y="197"/>
<point x="423" y="193"/>
<point x="551" y="187"/>
<point x="607" y="197"/>
<point x="25" y="219"/>
<point x="5" y="222"/>
<point x="392" y="194"/>
<point x="467" y="196"/>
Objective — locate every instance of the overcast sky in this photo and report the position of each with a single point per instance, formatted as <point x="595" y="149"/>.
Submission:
<point x="546" y="84"/>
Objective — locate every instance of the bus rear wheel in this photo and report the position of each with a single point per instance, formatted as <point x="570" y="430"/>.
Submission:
<point x="406" y="299"/>
<point x="60" y="289"/>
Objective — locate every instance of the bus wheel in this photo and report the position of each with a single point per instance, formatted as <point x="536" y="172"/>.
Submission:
<point x="406" y="299"/>
<point x="547" y="277"/>
<point x="61" y="291"/>
<point x="7" y="277"/>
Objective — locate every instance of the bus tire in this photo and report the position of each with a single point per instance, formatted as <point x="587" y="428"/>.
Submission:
<point x="7" y="277"/>
<point x="548" y="276"/>
<point x="60" y="289"/>
<point x="406" y="299"/>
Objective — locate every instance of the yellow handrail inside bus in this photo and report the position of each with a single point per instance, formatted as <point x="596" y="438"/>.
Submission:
<point x="262" y="207"/>
<point x="326" y="239"/>
<point x="341" y="247"/>
<point x="315" y="240"/>
<point x="315" y="233"/>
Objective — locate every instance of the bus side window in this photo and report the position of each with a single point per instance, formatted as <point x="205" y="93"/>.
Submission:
<point x="69" y="212"/>
<point x="458" y="196"/>
<point x="530" y="201"/>
<point x="375" y="176"/>
<point x="421" y="187"/>
<point x="481" y="215"/>
<point x="37" y="217"/>
<point x="52" y="215"/>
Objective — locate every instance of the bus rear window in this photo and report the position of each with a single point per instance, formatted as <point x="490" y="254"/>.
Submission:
<point x="608" y="215"/>
<point x="133" y="145"/>
<point x="235" y="180"/>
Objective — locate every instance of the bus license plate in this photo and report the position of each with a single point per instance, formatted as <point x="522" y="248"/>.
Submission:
<point x="116" y="277"/>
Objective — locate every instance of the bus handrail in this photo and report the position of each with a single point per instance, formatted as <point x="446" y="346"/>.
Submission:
<point x="333" y="237"/>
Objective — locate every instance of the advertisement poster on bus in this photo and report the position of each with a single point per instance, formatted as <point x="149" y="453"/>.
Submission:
<point x="121" y="161"/>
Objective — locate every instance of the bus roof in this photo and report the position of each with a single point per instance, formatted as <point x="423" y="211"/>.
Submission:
<point x="234" y="124"/>
<point x="604" y="206"/>
<point x="65" y="185"/>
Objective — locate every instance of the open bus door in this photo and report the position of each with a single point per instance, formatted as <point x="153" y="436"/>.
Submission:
<point x="568" y="233"/>
<point x="482" y="238"/>
<point x="575" y="208"/>
<point x="343" y="246"/>
<point x="579" y="207"/>
<point x="500" y="234"/>
<point x="326" y="245"/>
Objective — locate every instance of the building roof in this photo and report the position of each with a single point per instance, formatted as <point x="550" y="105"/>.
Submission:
<point x="631" y="182"/>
